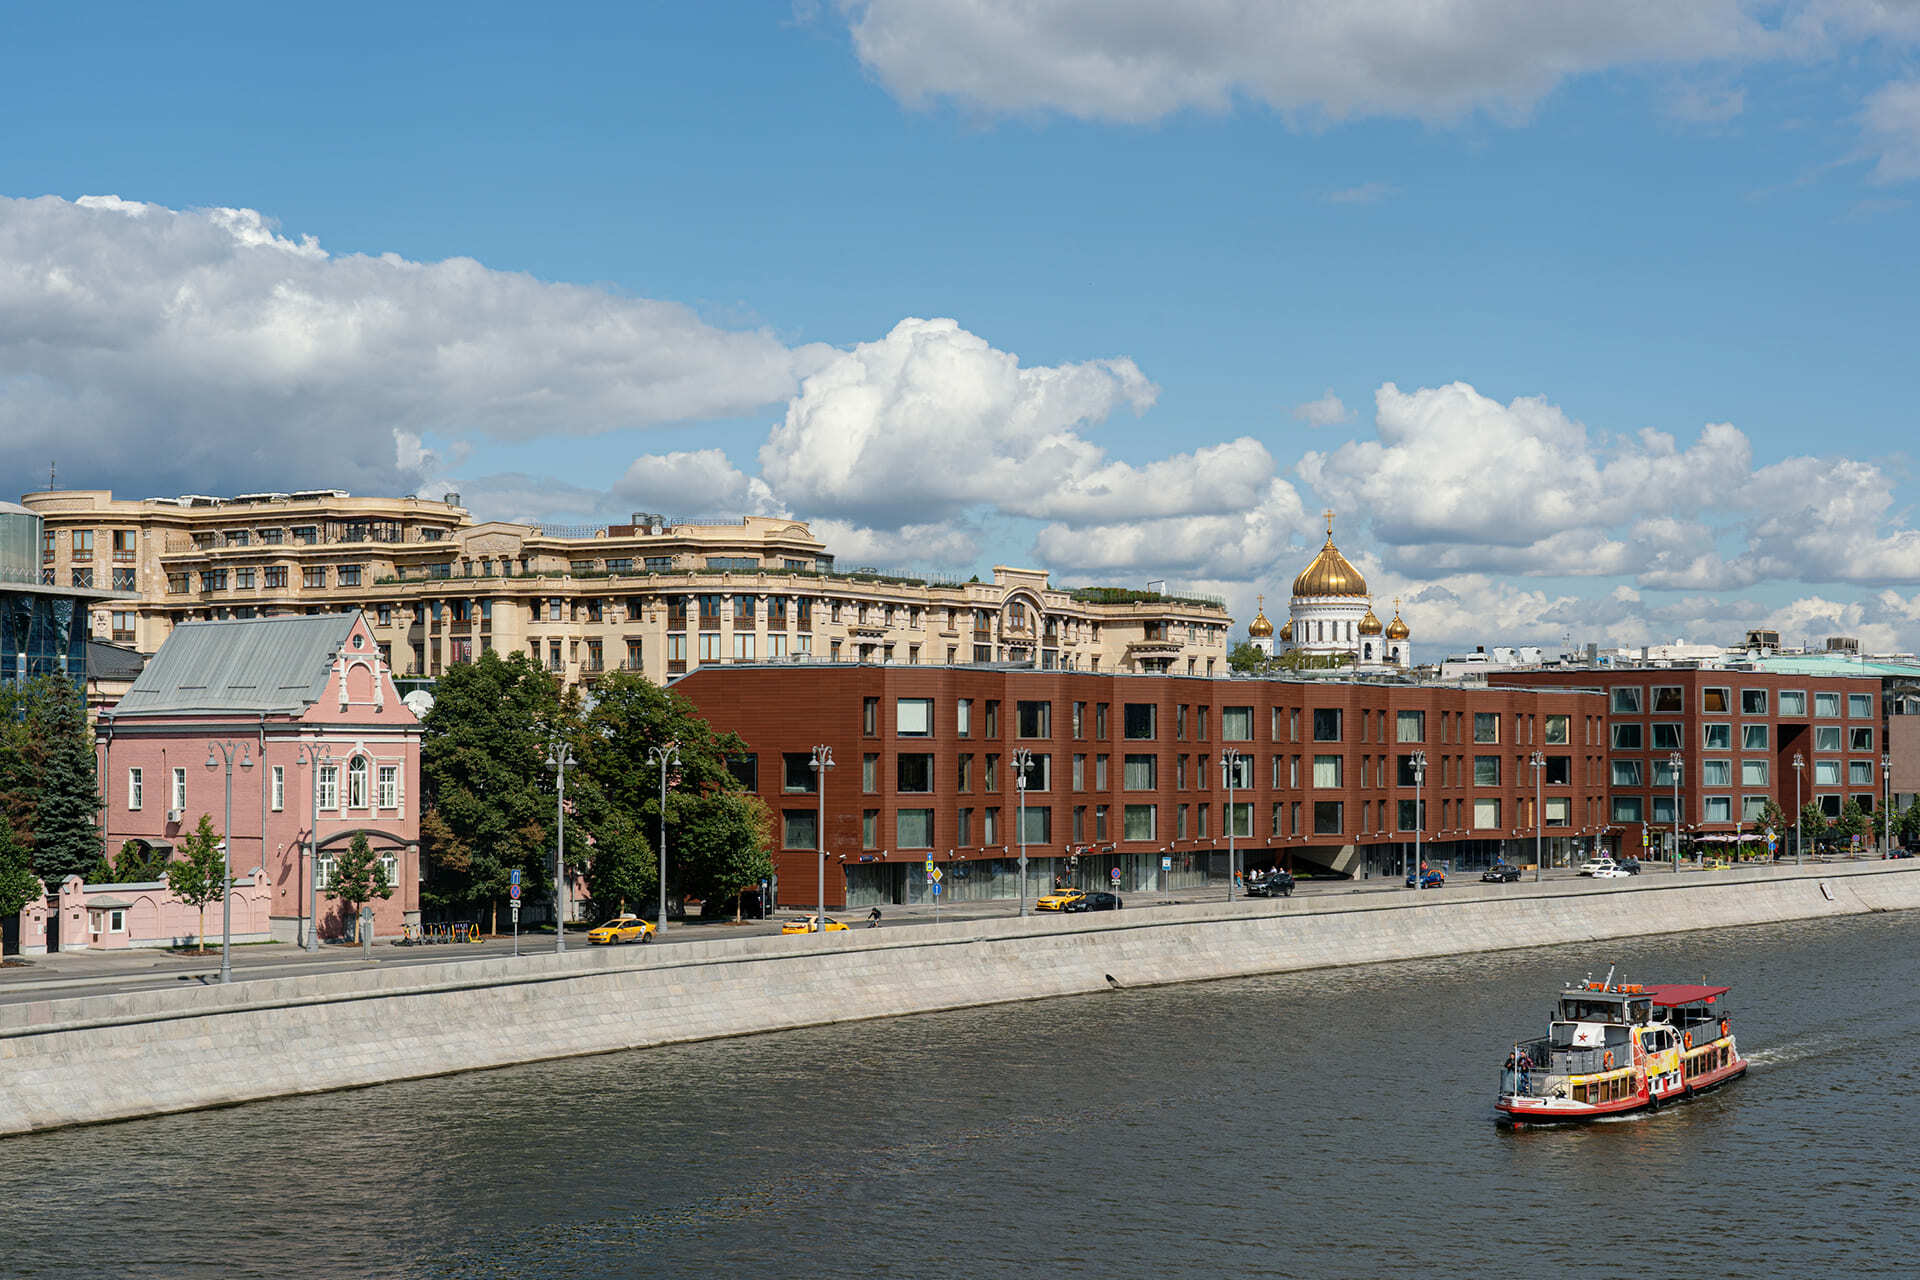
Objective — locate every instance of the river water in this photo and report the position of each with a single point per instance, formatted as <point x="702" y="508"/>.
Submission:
<point x="1326" y="1124"/>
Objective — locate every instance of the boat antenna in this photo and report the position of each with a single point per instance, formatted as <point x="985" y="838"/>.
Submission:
<point x="1609" y="985"/>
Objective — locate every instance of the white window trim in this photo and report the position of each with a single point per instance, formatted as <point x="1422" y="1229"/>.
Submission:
<point x="179" y="790"/>
<point x="136" y="788"/>
<point x="279" y="787"/>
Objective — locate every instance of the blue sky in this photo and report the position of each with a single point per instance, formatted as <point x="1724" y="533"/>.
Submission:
<point x="1123" y="289"/>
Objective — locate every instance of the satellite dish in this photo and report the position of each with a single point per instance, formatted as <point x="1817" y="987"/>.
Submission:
<point x="419" y="702"/>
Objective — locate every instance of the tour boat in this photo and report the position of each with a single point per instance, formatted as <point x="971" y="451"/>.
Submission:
<point x="1613" y="1049"/>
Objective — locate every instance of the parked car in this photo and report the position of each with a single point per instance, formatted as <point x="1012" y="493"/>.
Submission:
<point x="1598" y="866"/>
<point x="1274" y="884"/>
<point x="1608" y="872"/>
<point x="1501" y="873"/>
<point x="1899" y="853"/>
<point x="811" y="924"/>
<point x="1094" y="902"/>
<point x="1059" y="900"/>
<point x="1431" y="879"/>
<point x="621" y="929"/>
<point x="1629" y="865"/>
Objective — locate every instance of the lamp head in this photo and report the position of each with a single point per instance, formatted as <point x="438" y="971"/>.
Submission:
<point x="212" y="761"/>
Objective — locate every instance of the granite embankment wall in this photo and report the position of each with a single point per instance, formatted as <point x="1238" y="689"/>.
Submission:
<point x="100" y="1058"/>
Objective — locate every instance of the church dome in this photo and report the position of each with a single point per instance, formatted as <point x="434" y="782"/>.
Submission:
<point x="1286" y="631"/>
<point x="1397" y="630"/>
<point x="1369" y="625"/>
<point x="1329" y="574"/>
<point x="1260" y="628"/>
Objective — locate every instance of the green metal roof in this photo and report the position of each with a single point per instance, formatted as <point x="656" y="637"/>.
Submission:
<point x="248" y="664"/>
<point x="1835" y="664"/>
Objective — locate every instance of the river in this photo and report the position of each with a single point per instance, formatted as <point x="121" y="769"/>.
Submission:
<point x="1336" y="1123"/>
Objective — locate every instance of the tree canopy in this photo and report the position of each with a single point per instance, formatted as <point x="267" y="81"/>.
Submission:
<point x="198" y="876"/>
<point x="49" y="794"/>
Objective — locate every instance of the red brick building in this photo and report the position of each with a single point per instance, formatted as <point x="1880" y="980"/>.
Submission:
<point x="1126" y="775"/>
<point x="1737" y="736"/>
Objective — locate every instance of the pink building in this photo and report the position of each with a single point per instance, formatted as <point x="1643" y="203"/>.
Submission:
<point x="116" y="917"/>
<point x="318" y="734"/>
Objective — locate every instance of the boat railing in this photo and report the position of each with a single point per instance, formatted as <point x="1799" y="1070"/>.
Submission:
<point x="1550" y="1060"/>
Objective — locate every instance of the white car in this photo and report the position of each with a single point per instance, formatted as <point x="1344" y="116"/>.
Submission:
<point x="1608" y="872"/>
<point x="1600" y="867"/>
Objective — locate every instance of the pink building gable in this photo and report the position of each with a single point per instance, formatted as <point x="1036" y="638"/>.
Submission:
<point x="311" y="704"/>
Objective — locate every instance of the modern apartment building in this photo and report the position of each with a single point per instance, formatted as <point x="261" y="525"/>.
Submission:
<point x="655" y="595"/>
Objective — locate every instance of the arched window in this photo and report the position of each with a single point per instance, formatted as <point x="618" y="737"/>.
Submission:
<point x="357" y="783"/>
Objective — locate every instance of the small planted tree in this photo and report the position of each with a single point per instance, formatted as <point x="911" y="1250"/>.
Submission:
<point x="358" y="877"/>
<point x="1813" y="822"/>
<point x="198" y="876"/>
<point x="1853" y="826"/>
<point x="18" y="884"/>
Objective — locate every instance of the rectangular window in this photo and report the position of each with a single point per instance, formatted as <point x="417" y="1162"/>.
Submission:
<point x="1860" y="773"/>
<point x="1826" y="773"/>
<point x="993" y="718"/>
<point x="357" y="784"/>
<point x="1486" y="726"/>
<point x="1326" y="771"/>
<point x="1326" y="724"/>
<point x="1753" y="773"/>
<point x="1180" y="773"/>
<point x="1826" y="704"/>
<point x="329" y="786"/>
<point x="1140" y="822"/>
<point x="963" y="718"/>
<point x="1826" y="737"/>
<point x="1753" y="807"/>
<point x="913" y="829"/>
<point x="1662" y="774"/>
<point x="1718" y="701"/>
<point x="1236" y="724"/>
<point x="1793" y="702"/>
<point x="1241" y="772"/>
<point x="1100" y="772"/>
<point x="966" y="772"/>
<point x="1039" y="821"/>
<point x="797" y="773"/>
<point x="1627" y="737"/>
<point x="1860" y="705"/>
<point x="1662" y="811"/>
<point x="1716" y="737"/>
<point x="1668" y="699"/>
<point x="964" y="833"/>
<point x="1626" y="702"/>
<point x="1040" y="772"/>
<point x="1137" y="723"/>
<point x="243" y="579"/>
<point x="1753" y="737"/>
<point x="1716" y="773"/>
<point x="991" y="772"/>
<point x="1716" y="808"/>
<point x="347" y="575"/>
<point x="1099" y="822"/>
<point x="1405" y="818"/>
<point x="797" y="829"/>
<point x="1486" y="815"/>
<point x="1139" y="773"/>
<point x="1486" y="771"/>
<point x="1859" y="739"/>
<point x="314" y="576"/>
<point x="913" y="717"/>
<point x="279" y="787"/>
<point x="870" y="716"/>
<point x="869" y="828"/>
<point x="870" y="773"/>
<point x="1558" y="728"/>
<point x="1626" y="773"/>
<point x="178" y="800"/>
<point x="1329" y="817"/>
<point x="389" y="795"/>
<point x="1558" y="811"/>
<point x="1033" y="719"/>
<point x="1079" y="771"/>
<point x="1079" y="720"/>
<point x="1753" y="702"/>
<point x="1411" y="726"/>
<point x="1240" y="820"/>
<point x="1666" y="737"/>
<point x="135" y="789"/>
<point x="1629" y="809"/>
<point x="743" y="645"/>
<point x="1180" y="723"/>
<point x="1100" y="721"/>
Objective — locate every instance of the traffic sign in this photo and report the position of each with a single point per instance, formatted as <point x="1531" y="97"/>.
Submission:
<point x="1166" y="864"/>
<point x="936" y="888"/>
<point x="513" y="892"/>
<point x="1114" y="875"/>
<point x="937" y="876"/>
<point x="929" y="864"/>
<point x="516" y="876"/>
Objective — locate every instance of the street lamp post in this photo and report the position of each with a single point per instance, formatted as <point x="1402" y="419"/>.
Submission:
<point x="821" y="762"/>
<point x="1229" y="765"/>
<point x="1419" y="760"/>
<point x="559" y="756"/>
<point x="1886" y="804"/>
<point x="1674" y="761"/>
<point x="1022" y="761"/>
<point x="1799" y="832"/>
<point x="226" y="752"/>
<point x="1539" y="762"/>
<point x="312" y="756"/>
<point x="663" y="756"/>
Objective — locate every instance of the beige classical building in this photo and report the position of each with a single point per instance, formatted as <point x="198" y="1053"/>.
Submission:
<point x="654" y="595"/>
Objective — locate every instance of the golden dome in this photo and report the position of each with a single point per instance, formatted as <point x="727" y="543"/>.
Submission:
<point x="1329" y="574"/>
<point x="1397" y="630"/>
<point x="1260" y="628"/>
<point x="1369" y="625"/>
<point x="1286" y="632"/>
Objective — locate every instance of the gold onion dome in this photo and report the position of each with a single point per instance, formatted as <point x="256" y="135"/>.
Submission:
<point x="1329" y="574"/>
<point x="1369" y="625"/>
<point x="1286" y="631"/>
<point x="1260" y="628"/>
<point x="1397" y="630"/>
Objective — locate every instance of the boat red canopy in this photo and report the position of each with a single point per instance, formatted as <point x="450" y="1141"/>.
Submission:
<point x="1679" y="993"/>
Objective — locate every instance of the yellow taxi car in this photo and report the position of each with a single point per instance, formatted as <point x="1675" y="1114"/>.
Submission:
<point x="621" y="929"/>
<point x="811" y="924"/>
<point x="1059" y="899"/>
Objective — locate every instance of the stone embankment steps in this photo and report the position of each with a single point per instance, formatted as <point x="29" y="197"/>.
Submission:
<point x="109" y="1057"/>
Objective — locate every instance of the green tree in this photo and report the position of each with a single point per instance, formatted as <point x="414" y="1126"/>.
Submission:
<point x="358" y="878"/>
<point x="1853" y="822"/>
<point x="66" y="837"/>
<point x="137" y="861"/>
<point x="198" y="876"/>
<point x="1813" y="823"/>
<point x="18" y="884"/>
<point x="1246" y="659"/>
<point x="718" y="838"/>
<point x="1909" y="825"/>
<point x="1770" y="818"/>
<point x="489" y="800"/>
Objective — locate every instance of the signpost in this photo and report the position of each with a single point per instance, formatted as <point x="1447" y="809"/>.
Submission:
<point x="513" y="901"/>
<point x="933" y="885"/>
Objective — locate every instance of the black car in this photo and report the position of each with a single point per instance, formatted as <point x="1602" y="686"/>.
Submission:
<point x="1629" y="865"/>
<point x="1501" y="873"/>
<point x="1095" y="902"/>
<point x="1274" y="884"/>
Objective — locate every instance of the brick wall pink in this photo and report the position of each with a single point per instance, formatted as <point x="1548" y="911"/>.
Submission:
<point x="359" y="721"/>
